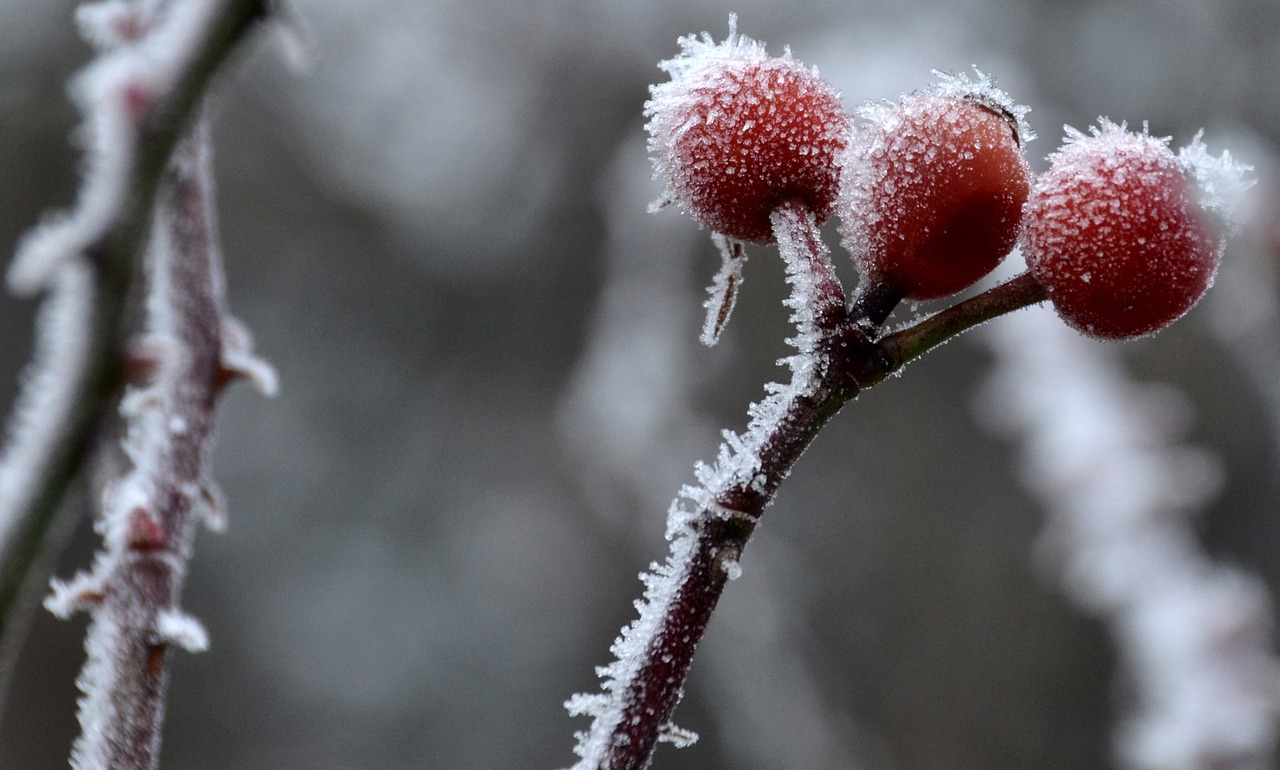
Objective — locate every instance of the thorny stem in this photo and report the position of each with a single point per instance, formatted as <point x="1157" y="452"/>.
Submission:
<point x="125" y="674"/>
<point x="651" y="696"/>
<point x="848" y="361"/>
<point x="115" y="257"/>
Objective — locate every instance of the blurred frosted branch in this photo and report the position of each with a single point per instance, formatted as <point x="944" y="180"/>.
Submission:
<point x="137" y="97"/>
<point x="149" y="517"/>
<point x="1193" y="636"/>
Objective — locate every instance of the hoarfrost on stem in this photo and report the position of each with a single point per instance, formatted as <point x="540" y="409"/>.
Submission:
<point x="117" y="93"/>
<point x="149" y="516"/>
<point x="748" y="466"/>
<point x="46" y="397"/>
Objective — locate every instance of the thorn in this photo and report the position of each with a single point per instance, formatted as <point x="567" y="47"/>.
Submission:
<point x="591" y="704"/>
<point x="142" y="357"/>
<point x="138" y="401"/>
<point x="213" y="511"/>
<point x="254" y="370"/>
<point x="138" y="100"/>
<point x="155" y="659"/>
<point x="239" y="362"/>
<point x="677" y="736"/>
<point x="174" y="626"/>
<point x="82" y="593"/>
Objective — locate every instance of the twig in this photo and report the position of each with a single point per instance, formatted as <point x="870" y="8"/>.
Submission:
<point x="137" y="101"/>
<point x="894" y="351"/>
<point x="150" y="516"/>
<point x="642" y="687"/>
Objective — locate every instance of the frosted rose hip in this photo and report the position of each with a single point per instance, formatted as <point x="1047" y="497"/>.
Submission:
<point x="735" y="132"/>
<point x="934" y="187"/>
<point x="1116" y="236"/>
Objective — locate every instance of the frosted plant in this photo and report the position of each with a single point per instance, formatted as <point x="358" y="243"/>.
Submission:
<point x="932" y="192"/>
<point x="139" y="98"/>
<point x="629" y="414"/>
<point x="1193" y="636"/>
<point x="149" y="517"/>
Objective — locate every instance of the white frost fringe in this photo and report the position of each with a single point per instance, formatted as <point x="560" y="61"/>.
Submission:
<point x="1100" y="452"/>
<point x="139" y="64"/>
<point x="136" y="66"/>
<point x="46" y="398"/>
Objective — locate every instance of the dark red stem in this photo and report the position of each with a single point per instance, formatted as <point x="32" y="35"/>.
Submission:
<point x="146" y="578"/>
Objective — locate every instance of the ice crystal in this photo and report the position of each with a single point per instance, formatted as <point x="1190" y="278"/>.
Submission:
<point x="1221" y="183"/>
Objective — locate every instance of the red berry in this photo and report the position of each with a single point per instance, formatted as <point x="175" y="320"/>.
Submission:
<point x="1116" y="237"/>
<point x="736" y="132"/>
<point x="934" y="188"/>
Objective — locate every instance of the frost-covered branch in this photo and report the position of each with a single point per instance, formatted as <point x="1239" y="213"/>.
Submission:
<point x="712" y="522"/>
<point x="150" y="516"/>
<point x="137" y="97"/>
<point x="1194" y="636"/>
<point x="627" y="419"/>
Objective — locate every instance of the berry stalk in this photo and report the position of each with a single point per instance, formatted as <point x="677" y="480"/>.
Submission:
<point x="643" y="686"/>
<point x="893" y="351"/>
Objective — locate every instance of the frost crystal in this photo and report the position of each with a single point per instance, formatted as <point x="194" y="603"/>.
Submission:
<point x="677" y="736"/>
<point x="1221" y="182"/>
<point x="723" y="290"/>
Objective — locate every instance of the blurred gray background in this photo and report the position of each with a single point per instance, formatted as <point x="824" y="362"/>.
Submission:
<point x="492" y="388"/>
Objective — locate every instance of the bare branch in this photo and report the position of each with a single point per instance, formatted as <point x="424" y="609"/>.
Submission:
<point x="150" y="516"/>
<point x="137" y="99"/>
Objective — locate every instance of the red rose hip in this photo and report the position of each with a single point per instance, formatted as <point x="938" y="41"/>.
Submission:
<point x="934" y="187"/>
<point x="736" y="132"/>
<point x="1116" y="236"/>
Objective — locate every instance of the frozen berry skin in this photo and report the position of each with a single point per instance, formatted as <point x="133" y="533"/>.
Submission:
<point x="736" y="132"/>
<point x="1114" y="233"/>
<point x="934" y="188"/>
